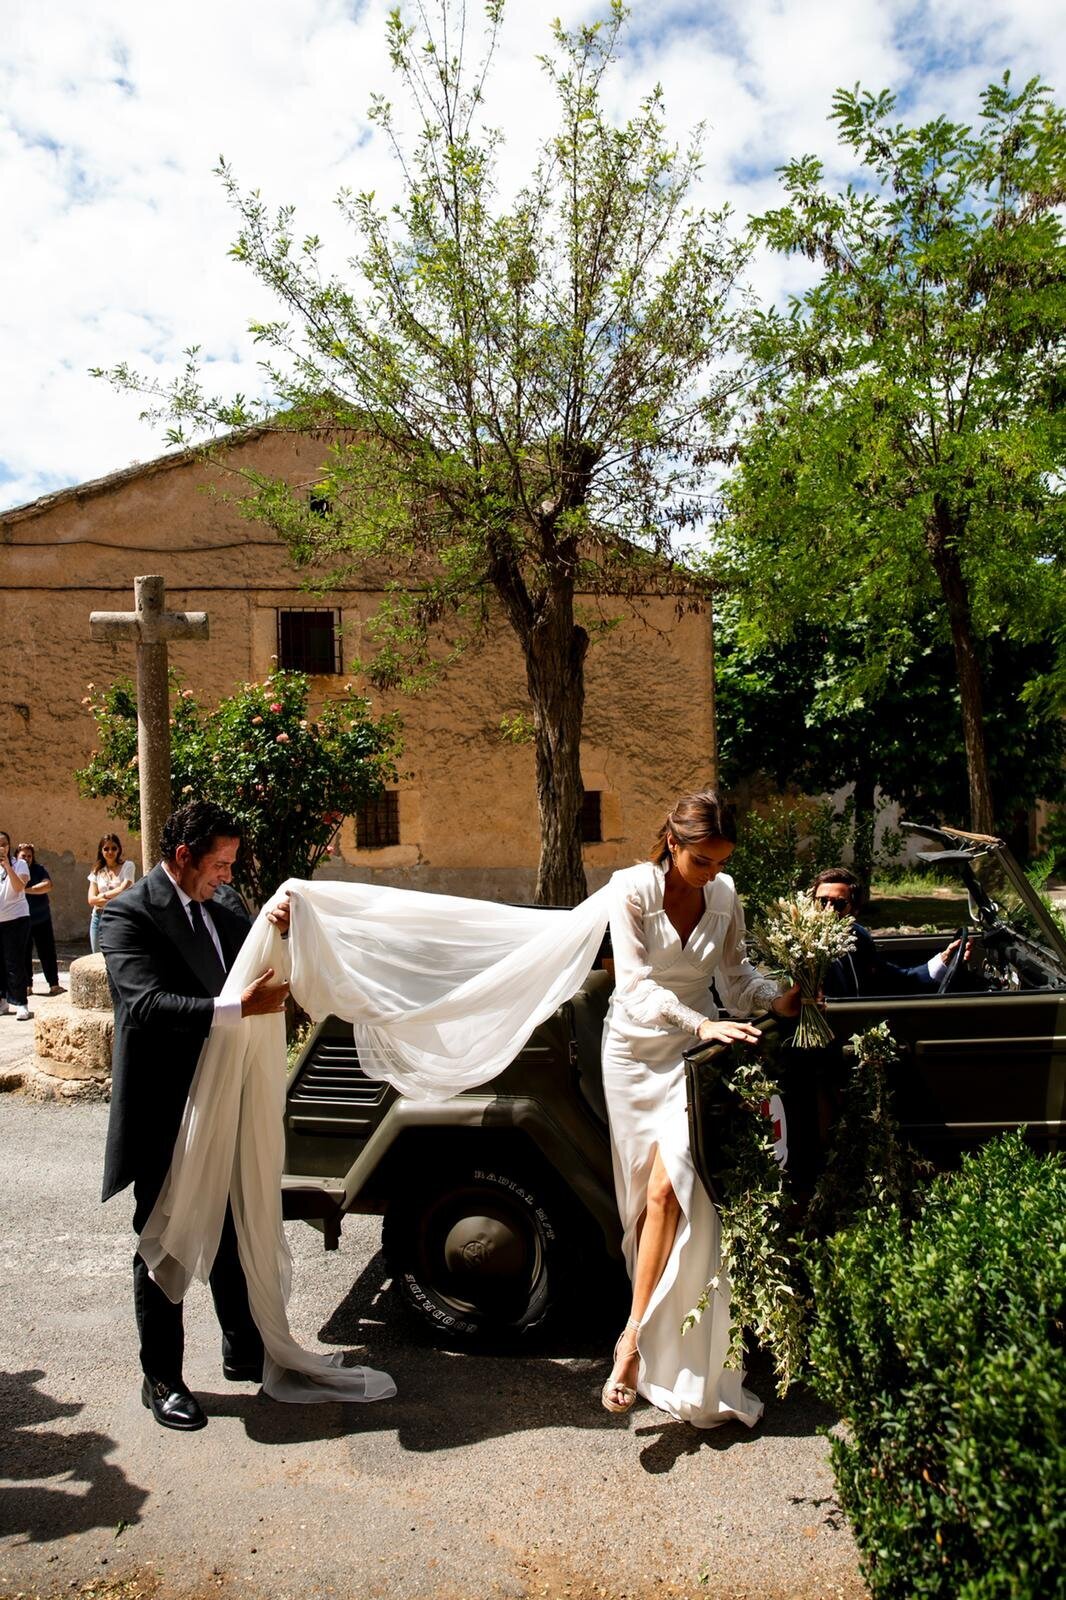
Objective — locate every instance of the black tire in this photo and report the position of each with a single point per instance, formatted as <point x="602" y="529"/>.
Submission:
<point x="484" y="1253"/>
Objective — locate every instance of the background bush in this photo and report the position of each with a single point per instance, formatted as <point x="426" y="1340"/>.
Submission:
<point x="780" y="848"/>
<point x="941" y="1347"/>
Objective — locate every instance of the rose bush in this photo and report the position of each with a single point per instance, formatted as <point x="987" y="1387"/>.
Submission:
<point x="291" y="779"/>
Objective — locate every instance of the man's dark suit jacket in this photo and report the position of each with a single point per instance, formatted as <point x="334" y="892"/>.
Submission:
<point x="866" y="971"/>
<point x="163" y="989"/>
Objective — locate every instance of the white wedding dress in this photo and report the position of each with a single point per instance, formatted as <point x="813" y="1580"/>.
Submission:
<point x="661" y="996"/>
<point x="442" y="992"/>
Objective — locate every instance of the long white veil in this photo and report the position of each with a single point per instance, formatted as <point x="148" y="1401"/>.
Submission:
<point x="441" y="992"/>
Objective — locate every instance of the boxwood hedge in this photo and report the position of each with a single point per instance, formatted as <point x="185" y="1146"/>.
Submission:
<point x="940" y="1344"/>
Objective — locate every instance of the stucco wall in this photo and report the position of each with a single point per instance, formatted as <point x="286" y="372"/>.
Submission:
<point x="467" y="799"/>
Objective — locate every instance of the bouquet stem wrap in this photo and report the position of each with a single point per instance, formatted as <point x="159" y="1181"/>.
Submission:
<point x="812" y="1029"/>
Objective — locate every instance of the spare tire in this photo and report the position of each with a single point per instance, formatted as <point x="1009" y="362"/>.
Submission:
<point x="483" y="1253"/>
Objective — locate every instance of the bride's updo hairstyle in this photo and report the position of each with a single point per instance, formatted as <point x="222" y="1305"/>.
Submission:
<point x="694" y="818"/>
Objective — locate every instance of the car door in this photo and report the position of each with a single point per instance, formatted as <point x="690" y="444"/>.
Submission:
<point x="971" y="1065"/>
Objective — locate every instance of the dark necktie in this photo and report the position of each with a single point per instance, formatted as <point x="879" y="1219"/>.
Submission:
<point x="203" y="937"/>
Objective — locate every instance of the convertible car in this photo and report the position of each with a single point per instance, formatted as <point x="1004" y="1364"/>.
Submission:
<point x="497" y="1204"/>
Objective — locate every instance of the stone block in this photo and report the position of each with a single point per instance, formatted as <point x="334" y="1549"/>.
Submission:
<point x="88" y="984"/>
<point x="75" y="1039"/>
<point x="74" y="1071"/>
<point x="48" y="1086"/>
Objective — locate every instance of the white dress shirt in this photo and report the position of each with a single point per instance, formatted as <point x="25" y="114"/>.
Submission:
<point x="226" y="1011"/>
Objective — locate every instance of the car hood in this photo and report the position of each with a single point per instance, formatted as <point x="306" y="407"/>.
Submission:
<point x="1000" y="893"/>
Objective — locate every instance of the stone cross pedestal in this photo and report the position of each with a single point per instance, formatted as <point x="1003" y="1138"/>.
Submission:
<point x="72" y="1038"/>
<point x="150" y="627"/>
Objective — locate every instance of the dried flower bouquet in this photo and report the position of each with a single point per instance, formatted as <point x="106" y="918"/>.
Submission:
<point x="802" y="940"/>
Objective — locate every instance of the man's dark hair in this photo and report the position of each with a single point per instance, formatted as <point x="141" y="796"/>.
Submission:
<point x="197" y="825"/>
<point x="843" y="875"/>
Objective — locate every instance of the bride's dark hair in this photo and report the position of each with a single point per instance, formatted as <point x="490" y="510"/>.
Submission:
<point x="693" y="818"/>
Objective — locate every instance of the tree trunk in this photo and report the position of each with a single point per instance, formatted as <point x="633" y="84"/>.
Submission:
<point x="555" y="649"/>
<point x="942" y="538"/>
<point x="865" y="823"/>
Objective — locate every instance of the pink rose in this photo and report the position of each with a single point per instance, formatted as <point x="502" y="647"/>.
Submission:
<point x="275" y="705"/>
<point x="282" y="738"/>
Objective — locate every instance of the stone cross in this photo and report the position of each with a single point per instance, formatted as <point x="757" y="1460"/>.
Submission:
<point x="149" y="627"/>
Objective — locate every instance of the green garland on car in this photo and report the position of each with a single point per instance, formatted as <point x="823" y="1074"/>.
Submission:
<point x="758" y="1268"/>
<point x="764" y="1243"/>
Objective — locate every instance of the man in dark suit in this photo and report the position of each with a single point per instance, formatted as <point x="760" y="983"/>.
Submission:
<point x="866" y="970"/>
<point x="168" y="943"/>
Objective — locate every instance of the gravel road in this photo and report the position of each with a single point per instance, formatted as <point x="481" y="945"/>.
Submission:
<point x="485" y="1477"/>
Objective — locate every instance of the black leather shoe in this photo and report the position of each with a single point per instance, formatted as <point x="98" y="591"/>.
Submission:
<point x="172" y="1405"/>
<point x="243" y="1371"/>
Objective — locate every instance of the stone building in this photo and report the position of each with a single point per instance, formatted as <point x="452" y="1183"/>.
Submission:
<point x="463" y="817"/>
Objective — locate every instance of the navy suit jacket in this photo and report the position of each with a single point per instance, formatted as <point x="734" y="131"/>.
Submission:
<point x="867" y="971"/>
<point x="163" y="990"/>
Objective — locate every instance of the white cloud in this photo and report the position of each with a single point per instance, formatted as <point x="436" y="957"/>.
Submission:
<point x="114" y="116"/>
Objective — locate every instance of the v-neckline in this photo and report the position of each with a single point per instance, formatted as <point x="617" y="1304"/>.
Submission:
<point x="684" y="943"/>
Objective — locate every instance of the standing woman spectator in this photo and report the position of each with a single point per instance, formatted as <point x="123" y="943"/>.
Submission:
<point x="41" y="932"/>
<point x="111" y="875"/>
<point x="14" y="929"/>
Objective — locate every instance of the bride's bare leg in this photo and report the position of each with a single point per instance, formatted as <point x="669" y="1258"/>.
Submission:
<point x="655" y="1235"/>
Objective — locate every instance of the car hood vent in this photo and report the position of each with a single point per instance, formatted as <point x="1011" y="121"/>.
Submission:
<point x="332" y="1072"/>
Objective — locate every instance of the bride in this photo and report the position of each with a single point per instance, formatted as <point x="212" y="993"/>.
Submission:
<point x="441" y="993"/>
<point x="676" y="923"/>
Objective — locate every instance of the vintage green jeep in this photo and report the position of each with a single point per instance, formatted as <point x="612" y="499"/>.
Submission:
<point x="498" y="1204"/>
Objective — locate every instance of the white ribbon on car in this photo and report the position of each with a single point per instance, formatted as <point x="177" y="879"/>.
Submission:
<point x="442" y="993"/>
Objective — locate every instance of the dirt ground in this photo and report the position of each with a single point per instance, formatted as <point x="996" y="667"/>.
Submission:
<point x="485" y="1477"/>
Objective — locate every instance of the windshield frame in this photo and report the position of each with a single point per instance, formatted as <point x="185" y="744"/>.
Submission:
<point x="968" y="849"/>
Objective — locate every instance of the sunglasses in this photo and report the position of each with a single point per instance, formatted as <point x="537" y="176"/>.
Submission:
<point x="831" y="900"/>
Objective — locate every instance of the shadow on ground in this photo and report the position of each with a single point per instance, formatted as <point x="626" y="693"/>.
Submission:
<point x="446" y="1398"/>
<point x="449" y="1398"/>
<point x="31" y="1454"/>
<point x="798" y="1416"/>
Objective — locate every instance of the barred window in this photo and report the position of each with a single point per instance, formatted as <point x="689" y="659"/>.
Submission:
<point x="377" y="822"/>
<point x="309" y="640"/>
<point x="591" y="817"/>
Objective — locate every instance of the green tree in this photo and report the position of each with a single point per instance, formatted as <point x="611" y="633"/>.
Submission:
<point x="517" y="391"/>
<point x="904" y="451"/>
<point x="288" y="778"/>
<point x="809" y="712"/>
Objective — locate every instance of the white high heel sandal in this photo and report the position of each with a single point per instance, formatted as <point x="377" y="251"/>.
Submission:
<point x="610" y="1388"/>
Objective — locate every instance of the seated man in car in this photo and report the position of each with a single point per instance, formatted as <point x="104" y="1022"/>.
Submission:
<point x="866" y="970"/>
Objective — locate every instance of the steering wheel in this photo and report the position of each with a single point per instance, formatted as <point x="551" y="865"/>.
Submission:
<point x="947" y="977"/>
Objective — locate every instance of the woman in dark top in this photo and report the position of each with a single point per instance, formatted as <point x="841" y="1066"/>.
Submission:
<point x="41" y="931"/>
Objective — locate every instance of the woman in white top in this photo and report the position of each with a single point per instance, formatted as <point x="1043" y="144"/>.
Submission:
<point x="676" y="923"/>
<point x="109" y="878"/>
<point x="14" y="929"/>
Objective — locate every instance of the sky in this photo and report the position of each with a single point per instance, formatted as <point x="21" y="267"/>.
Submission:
<point x="113" y="117"/>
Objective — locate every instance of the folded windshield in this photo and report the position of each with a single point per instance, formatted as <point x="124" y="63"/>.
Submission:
<point x="1016" y="902"/>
